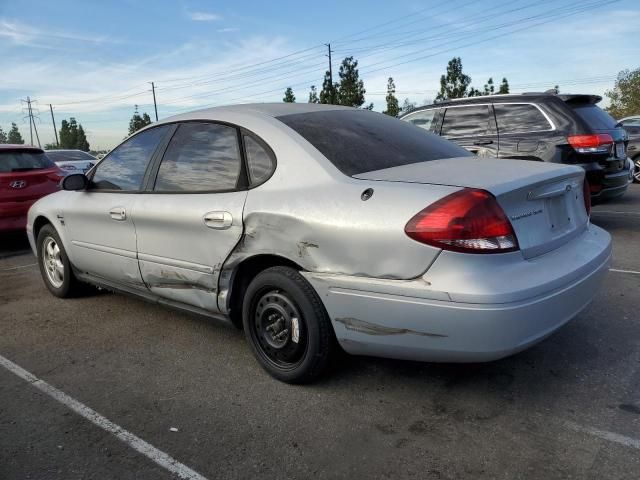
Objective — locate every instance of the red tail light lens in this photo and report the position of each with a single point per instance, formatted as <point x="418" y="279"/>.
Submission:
<point x="468" y="220"/>
<point x="598" y="143"/>
<point x="586" y="194"/>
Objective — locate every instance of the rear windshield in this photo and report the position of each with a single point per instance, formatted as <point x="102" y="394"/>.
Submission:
<point x="359" y="141"/>
<point x="595" y="117"/>
<point x="23" y="161"/>
<point x="75" y="156"/>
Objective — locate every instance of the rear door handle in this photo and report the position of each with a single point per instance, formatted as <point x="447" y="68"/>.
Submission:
<point x="218" y="220"/>
<point x="483" y="142"/>
<point x="118" y="213"/>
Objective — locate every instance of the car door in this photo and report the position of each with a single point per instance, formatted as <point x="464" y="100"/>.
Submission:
<point x="191" y="218"/>
<point x="472" y="127"/>
<point x="523" y="129"/>
<point x="99" y="220"/>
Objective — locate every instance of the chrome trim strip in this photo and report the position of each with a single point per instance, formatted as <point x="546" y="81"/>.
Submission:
<point x="105" y="249"/>
<point x="172" y="262"/>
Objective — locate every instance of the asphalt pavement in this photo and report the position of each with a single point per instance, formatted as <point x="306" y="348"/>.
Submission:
<point x="190" y="389"/>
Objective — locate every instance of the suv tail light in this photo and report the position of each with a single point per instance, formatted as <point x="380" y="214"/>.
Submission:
<point x="586" y="194"/>
<point x="597" y="143"/>
<point x="469" y="220"/>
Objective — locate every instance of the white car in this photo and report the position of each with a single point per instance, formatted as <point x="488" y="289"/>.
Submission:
<point x="72" y="161"/>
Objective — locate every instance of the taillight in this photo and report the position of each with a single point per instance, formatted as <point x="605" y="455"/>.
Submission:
<point x="468" y="220"/>
<point x="597" y="143"/>
<point x="586" y="195"/>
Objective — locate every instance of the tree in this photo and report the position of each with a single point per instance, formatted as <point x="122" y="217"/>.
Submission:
<point x="489" y="88"/>
<point x="625" y="96"/>
<point x="504" y="86"/>
<point x="289" y="97"/>
<point x="455" y="83"/>
<point x="137" y="122"/>
<point x="351" y="89"/>
<point x="14" y="135"/>
<point x="72" y="135"/>
<point x="407" y="106"/>
<point x="474" y="92"/>
<point x="3" y="136"/>
<point x="313" y="95"/>
<point x="393" y="108"/>
<point x="328" y="92"/>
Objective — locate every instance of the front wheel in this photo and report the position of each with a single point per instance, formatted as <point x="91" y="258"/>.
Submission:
<point x="54" y="264"/>
<point x="287" y="326"/>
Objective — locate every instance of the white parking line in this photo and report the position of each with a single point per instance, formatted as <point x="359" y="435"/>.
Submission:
<point x="632" y="272"/>
<point x="164" y="460"/>
<point x="18" y="267"/>
<point x="611" y="436"/>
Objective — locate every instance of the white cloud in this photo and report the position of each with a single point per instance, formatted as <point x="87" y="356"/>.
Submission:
<point x="227" y="30"/>
<point x="27" y="35"/>
<point x="203" y="16"/>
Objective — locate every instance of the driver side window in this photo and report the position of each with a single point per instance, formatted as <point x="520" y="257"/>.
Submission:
<point x="123" y="169"/>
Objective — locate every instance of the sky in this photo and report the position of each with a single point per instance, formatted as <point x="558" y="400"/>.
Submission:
<point x="95" y="60"/>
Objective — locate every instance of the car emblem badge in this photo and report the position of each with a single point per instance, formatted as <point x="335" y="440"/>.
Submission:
<point x="18" y="184"/>
<point x="568" y="189"/>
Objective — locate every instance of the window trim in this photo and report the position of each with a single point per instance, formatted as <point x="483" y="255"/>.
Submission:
<point x="241" y="184"/>
<point x="544" y="114"/>
<point x="159" y="148"/>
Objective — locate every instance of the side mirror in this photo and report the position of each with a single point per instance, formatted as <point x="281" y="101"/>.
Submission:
<point x="75" y="182"/>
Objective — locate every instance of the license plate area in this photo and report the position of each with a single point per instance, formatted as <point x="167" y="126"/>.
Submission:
<point x="557" y="212"/>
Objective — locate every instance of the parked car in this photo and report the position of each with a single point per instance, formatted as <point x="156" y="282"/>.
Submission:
<point x="306" y="224"/>
<point x="72" y="161"/>
<point x="566" y="129"/>
<point x="633" y="148"/>
<point x="630" y="121"/>
<point x="26" y="174"/>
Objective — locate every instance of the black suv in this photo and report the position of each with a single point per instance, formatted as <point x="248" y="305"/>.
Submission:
<point x="537" y="126"/>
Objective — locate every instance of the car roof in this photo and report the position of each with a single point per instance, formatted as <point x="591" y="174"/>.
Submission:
<point x="268" y="109"/>
<point x="16" y="146"/>
<point x="513" y="97"/>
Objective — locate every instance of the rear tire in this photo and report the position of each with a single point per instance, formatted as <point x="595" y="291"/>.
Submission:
<point x="287" y="326"/>
<point x="54" y="264"/>
<point x="636" y="169"/>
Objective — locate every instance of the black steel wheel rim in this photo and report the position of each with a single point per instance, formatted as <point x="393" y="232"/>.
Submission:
<point x="279" y="331"/>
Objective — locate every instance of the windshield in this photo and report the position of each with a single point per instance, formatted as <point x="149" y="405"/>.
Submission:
<point x="22" y="161"/>
<point x="358" y="141"/>
<point x="70" y="156"/>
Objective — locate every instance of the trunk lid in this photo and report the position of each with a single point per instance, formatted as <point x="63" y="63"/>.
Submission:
<point x="543" y="201"/>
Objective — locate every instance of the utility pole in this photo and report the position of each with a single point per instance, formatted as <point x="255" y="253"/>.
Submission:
<point x="53" y="120"/>
<point x="34" y="122"/>
<point x="333" y="95"/>
<point x="29" y="113"/>
<point x="155" y="106"/>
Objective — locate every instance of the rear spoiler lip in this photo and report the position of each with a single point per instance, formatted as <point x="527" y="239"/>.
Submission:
<point x="580" y="98"/>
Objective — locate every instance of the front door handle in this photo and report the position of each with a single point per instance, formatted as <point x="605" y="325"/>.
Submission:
<point x="218" y="220"/>
<point x="118" y="213"/>
<point x="483" y="142"/>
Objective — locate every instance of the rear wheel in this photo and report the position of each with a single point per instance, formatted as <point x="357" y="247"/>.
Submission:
<point x="287" y="326"/>
<point x="54" y="264"/>
<point x="636" y="169"/>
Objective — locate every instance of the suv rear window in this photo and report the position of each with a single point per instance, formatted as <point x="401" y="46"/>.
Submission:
<point x="20" y="161"/>
<point x="359" y="141"/>
<point x="594" y="116"/>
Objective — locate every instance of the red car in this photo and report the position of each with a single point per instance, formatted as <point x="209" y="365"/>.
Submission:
<point x="26" y="174"/>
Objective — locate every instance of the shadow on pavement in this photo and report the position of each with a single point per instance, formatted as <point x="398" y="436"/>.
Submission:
<point x="13" y="243"/>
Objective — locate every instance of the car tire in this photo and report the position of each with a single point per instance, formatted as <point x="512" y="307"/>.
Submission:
<point x="287" y="326"/>
<point x="636" y="169"/>
<point x="54" y="264"/>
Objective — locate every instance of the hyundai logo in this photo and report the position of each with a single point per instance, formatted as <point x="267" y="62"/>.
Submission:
<point x="18" y="184"/>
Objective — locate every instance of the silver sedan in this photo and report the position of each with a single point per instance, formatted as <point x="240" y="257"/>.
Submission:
<point x="317" y="227"/>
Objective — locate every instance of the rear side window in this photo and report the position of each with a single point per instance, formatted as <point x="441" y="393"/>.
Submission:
<point x="423" y="119"/>
<point x="201" y="157"/>
<point x="595" y="117"/>
<point x="358" y="141"/>
<point x="23" y="161"/>
<point x="520" y="118"/>
<point x="466" y="121"/>
<point x="258" y="159"/>
<point x="124" y="167"/>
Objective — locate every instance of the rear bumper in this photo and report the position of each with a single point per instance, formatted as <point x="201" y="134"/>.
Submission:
<point x="609" y="183"/>
<point x="13" y="215"/>
<point x="411" y="320"/>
